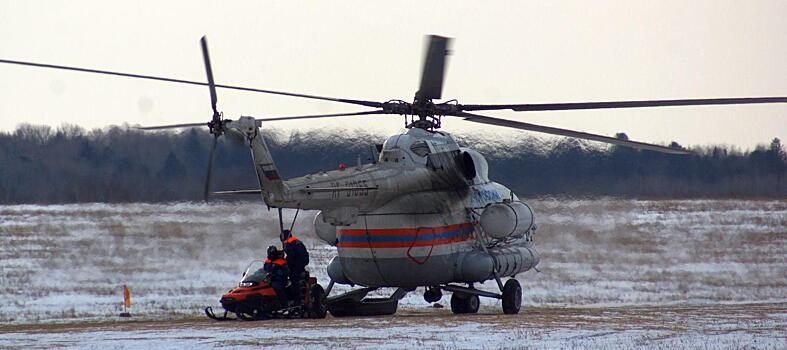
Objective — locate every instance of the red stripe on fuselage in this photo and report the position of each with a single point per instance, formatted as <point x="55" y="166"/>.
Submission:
<point x="402" y="244"/>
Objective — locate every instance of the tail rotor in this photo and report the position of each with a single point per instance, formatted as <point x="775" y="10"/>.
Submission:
<point x="216" y="124"/>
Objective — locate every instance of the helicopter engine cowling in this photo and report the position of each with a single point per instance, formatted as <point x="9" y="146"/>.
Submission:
<point x="446" y="169"/>
<point x="507" y="219"/>
<point x="324" y="230"/>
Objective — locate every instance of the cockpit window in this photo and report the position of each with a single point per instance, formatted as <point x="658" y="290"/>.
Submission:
<point x="420" y="148"/>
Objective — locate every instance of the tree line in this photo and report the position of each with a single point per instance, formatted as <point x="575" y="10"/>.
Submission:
<point x="41" y="164"/>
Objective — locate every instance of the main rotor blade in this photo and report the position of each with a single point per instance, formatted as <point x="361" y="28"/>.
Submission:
<point x="206" y="192"/>
<point x="172" y="126"/>
<point x="570" y="133"/>
<point x="625" y="104"/>
<point x="321" y="116"/>
<point x="433" y="71"/>
<point x="191" y="125"/>
<point x="191" y="82"/>
<point x="209" y="72"/>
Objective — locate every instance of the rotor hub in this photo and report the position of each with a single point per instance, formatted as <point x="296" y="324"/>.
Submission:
<point x="216" y="127"/>
<point x="429" y="113"/>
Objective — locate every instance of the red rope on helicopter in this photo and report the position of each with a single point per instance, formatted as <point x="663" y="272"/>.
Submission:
<point x="428" y="255"/>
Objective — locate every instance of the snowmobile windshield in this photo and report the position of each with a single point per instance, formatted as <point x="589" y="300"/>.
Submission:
<point x="254" y="274"/>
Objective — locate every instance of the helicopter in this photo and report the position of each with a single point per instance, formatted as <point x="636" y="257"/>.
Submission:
<point x="424" y="213"/>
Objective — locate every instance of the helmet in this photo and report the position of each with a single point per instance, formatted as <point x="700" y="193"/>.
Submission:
<point x="285" y="234"/>
<point x="273" y="252"/>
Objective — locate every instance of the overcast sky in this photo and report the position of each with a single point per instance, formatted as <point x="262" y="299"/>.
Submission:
<point x="504" y="52"/>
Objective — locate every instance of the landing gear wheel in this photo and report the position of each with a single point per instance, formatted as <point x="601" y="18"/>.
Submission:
<point x="512" y="297"/>
<point x="317" y="308"/>
<point x="473" y="303"/>
<point x="464" y="303"/>
<point x="432" y="295"/>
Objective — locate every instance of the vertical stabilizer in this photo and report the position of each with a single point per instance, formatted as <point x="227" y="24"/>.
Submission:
<point x="273" y="188"/>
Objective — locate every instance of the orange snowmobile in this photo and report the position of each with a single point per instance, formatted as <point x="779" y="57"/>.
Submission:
<point x="255" y="299"/>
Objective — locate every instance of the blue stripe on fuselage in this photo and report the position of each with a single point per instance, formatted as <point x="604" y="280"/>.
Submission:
<point x="409" y="238"/>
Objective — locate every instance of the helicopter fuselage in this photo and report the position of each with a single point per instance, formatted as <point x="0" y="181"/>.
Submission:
<point x="416" y="239"/>
<point x="409" y="219"/>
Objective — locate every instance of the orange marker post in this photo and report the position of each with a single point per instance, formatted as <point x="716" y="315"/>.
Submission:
<point x="126" y="302"/>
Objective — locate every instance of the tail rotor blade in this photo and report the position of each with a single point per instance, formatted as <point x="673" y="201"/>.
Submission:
<point x="434" y="68"/>
<point x="209" y="72"/>
<point x="206" y="192"/>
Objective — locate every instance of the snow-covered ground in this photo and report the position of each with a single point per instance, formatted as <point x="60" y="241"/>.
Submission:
<point x="67" y="263"/>
<point x="759" y="326"/>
